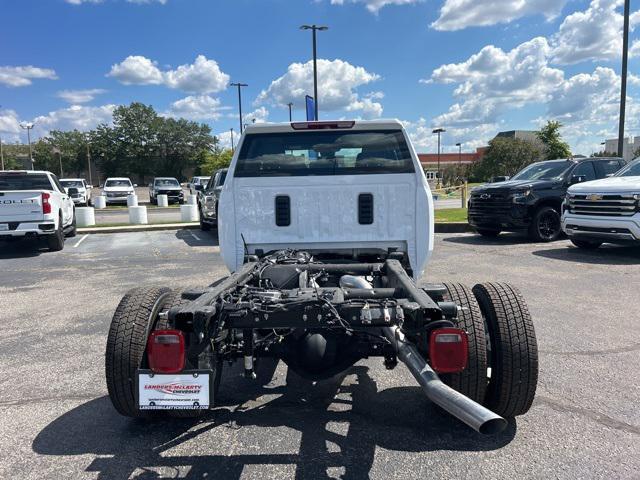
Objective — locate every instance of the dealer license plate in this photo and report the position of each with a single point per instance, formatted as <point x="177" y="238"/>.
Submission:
<point x="4" y="227"/>
<point x="184" y="391"/>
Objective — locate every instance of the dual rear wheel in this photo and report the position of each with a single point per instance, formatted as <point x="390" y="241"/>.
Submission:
<point x="502" y="372"/>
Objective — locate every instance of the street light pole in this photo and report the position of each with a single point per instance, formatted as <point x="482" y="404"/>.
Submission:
<point x="315" y="28"/>
<point x="623" y="75"/>
<point x="28" y="127"/>
<point x="232" y="149"/>
<point x="459" y="145"/>
<point x="439" y="131"/>
<point x="240" y="85"/>
<point x="290" y="105"/>
<point x="1" y="156"/>
<point x="88" y="160"/>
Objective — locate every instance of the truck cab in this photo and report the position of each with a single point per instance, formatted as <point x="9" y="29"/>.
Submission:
<point x="604" y="211"/>
<point x="353" y="190"/>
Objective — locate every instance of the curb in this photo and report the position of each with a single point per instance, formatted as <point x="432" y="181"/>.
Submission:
<point x="452" y="227"/>
<point x="139" y="228"/>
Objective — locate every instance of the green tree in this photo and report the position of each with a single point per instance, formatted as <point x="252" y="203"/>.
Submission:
<point x="554" y="145"/>
<point x="506" y="156"/>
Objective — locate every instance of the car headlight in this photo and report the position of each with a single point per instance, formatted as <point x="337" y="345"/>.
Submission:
<point x="520" y="197"/>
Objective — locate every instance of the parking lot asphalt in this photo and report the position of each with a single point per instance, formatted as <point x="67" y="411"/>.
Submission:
<point x="57" y="422"/>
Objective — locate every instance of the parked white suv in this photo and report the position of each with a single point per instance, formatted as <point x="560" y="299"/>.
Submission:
<point x="34" y="204"/>
<point x="82" y="194"/>
<point x="347" y="188"/>
<point x="604" y="211"/>
<point x="117" y="189"/>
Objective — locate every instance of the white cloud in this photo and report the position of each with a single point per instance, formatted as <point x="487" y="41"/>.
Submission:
<point x="225" y="138"/>
<point x="137" y="70"/>
<point x="78" y="117"/>
<point x="260" y="115"/>
<point x="593" y="34"/>
<point x="80" y="2"/>
<point x="24" y="75"/>
<point x="202" y="76"/>
<point x="459" y="14"/>
<point x="9" y="124"/>
<point x="337" y="82"/>
<point x="374" y="6"/>
<point x="80" y="96"/>
<point x="492" y="80"/>
<point x="198" y="108"/>
<point x="423" y="138"/>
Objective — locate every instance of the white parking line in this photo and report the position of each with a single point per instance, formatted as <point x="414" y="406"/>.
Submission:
<point x="80" y="241"/>
<point x="195" y="236"/>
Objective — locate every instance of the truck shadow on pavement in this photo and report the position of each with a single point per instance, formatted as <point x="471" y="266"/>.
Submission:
<point x="605" y="255"/>
<point x="502" y="239"/>
<point x="399" y="419"/>
<point x="198" y="238"/>
<point x="23" y="248"/>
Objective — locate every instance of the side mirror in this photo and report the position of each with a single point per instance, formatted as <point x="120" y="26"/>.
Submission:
<point x="578" y="179"/>
<point x="135" y="185"/>
<point x="502" y="178"/>
<point x="199" y="187"/>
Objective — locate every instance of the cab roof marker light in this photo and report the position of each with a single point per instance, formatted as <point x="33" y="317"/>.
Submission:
<point x="322" y="125"/>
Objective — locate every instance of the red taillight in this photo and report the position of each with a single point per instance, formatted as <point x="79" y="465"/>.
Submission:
<point x="448" y="350"/>
<point x="322" y="125"/>
<point x="46" y="206"/>
<point x="165" y="351"/>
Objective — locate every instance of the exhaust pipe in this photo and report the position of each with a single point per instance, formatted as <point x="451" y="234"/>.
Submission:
<point x="463" y="408"/>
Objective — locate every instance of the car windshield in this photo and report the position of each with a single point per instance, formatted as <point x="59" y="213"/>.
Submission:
<point x="71" y="183"/>
<point x="324" y="153"/>
<point x="544" y="170"/>
<point x="631" y="170"/>
<point x="118" y="183"/>
<point x="12" y="181"/>
<point x="166" y="182"/>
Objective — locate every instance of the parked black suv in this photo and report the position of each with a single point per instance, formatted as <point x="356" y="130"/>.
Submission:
<point x="208" y="199"/>
<point x="531" y="201"/>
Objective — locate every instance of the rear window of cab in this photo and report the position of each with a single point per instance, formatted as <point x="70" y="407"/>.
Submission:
<point x="324" y="153"/>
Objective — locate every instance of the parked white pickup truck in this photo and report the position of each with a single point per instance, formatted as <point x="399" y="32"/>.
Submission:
<point x="604" y="211"/>
<point x="34" y="204"/>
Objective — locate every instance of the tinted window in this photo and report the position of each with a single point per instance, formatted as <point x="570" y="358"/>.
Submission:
<point x="9" y="181"/>
<point x="324" y="153"/>
<point x="544" y="170"/>
<point x="117" y="183"/>
<point x="608" y="167"/>
<point x="585" y="169"/>
<point x="220" y="178"/>
<point x="631" y="170"/>
<point x="166" y="182"/>
<point x="71" y="183"/>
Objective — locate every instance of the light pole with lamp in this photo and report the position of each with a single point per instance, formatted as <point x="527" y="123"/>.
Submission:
<point x="439" y="131"/>
<point x="290" y="105"/>
<point x="315" y="28"/>
<point x="28" y="127"/>
<point x="240" y="85"/>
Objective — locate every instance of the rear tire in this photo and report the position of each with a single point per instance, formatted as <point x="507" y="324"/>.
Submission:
<point x="472" y="381"/>
<point x="488" y="233"/>
<point x="585" y="244"/>
<point x="55" y="242"/>
<point x="513" y="352"/>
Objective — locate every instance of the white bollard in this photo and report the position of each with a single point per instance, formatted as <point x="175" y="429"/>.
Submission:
<point x="100" y="202"/>
<point x="163" y="200"/>
<point x="189" y="213"/>
<point x="192" y="199"/>
<point x="138" y="215"/>
<point x="85" y="217"/>
<point x="132" y="200"/>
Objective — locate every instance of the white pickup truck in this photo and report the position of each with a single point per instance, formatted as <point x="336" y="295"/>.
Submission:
<point x="605" y="210"/>
<point x="34" y="204"/>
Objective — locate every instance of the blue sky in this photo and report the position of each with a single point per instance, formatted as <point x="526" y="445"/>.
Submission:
<point x="472" y="66"/>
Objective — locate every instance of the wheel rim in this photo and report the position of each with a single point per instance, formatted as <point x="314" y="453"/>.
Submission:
<point x="548" y="225"/>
